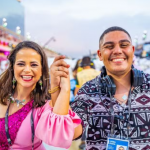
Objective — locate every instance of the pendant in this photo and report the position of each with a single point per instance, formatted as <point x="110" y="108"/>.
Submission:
<point x="19" y="102"/>
<point x="124" y="97"/>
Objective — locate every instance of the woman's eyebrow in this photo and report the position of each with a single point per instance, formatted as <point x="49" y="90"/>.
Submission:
<point x="20" y="61"/>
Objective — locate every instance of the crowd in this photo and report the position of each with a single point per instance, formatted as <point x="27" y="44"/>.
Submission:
<point x="108" y="109"/>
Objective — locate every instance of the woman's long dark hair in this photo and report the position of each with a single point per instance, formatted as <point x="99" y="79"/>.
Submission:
<point x="39" y="96"/>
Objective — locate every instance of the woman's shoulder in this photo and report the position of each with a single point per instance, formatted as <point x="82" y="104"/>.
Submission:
<point x="3" y="109"/>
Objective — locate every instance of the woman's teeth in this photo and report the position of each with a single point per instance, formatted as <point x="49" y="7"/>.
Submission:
<point x="27" y="77"/>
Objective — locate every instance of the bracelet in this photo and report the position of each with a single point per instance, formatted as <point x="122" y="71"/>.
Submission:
<point x="54" y="90"/>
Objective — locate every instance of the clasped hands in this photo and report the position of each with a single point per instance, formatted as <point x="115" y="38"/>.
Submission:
<point x="59" y="74"/>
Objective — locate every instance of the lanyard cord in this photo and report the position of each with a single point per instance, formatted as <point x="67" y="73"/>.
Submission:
<point x="6" y="126"/>
<point x="129" y="108"/>
<point x="7" y="130"/>
<point x="112" y="114"/>
<point x="32" y="128"/>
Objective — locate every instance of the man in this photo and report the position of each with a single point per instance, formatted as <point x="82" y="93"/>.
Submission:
<point x="105" y="113"/>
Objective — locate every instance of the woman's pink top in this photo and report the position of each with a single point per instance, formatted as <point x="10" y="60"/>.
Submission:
<point x="53" y="129"/>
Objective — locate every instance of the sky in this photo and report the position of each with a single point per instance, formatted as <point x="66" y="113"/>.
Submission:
<point x="77" y="25"/>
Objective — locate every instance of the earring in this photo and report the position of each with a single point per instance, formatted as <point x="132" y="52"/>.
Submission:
<point x="13" y="81"/>
<point x="40" y="83"/>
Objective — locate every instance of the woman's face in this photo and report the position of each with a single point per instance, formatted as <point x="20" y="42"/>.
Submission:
<point x="27" y="68"/>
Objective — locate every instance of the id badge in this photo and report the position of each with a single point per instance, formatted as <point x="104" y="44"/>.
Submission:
<point x="117" y="144"/>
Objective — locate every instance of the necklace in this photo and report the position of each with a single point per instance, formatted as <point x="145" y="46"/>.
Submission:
<point x="124" y="97"/>
<point x="13" y="100"/>
<point x="122" y="102"/>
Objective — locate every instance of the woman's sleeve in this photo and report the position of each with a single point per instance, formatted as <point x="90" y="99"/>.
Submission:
<point x="56" y="130"/>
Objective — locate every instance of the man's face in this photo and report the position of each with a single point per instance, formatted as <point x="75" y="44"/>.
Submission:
<point x="116" y="52"/>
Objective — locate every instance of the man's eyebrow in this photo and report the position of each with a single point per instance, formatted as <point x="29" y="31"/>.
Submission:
<point x="108" y="43"/>
<point x="124" y="41"/>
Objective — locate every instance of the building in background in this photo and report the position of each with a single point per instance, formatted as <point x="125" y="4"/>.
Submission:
<point x="12" y="29"/>
<point x="12" y="14"/>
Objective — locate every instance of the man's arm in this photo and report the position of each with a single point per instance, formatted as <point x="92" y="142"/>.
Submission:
<point x="77" y="87"/>
<point x="80" y="107"/>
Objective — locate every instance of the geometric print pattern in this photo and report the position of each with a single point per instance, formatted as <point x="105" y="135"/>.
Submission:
<point x="96" y="117"/>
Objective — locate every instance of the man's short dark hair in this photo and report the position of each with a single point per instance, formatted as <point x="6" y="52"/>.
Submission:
<point x="111" y="29"/>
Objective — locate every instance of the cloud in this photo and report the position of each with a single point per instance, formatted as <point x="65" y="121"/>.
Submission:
<point x="77" y="24"/>
<point x="88" y="9"/>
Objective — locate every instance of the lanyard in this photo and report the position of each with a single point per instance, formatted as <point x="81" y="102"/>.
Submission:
<point x="7" y="130"/>
<point x="113" y="114"/>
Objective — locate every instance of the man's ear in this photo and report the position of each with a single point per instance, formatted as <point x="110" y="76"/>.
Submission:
<point x="133" y="48"/>
<point x="99" y="55"/>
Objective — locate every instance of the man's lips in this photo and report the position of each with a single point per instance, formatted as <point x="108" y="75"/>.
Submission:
<point x="117" y="59"/>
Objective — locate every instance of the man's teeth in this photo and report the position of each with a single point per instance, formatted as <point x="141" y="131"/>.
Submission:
<point x="27" y="77"/>
<point x="118" y="60"/>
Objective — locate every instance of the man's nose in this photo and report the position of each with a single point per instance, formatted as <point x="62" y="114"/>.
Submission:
<point x="117" y="49"/>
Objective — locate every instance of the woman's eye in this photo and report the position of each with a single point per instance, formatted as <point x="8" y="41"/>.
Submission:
<point x="34" y="65"/>
<point x="20" y="64"/>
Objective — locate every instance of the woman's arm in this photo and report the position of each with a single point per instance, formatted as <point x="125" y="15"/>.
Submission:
<point x="59" y="68"/>
<point x="62" y="102"/>
<point x="60" y="99"/>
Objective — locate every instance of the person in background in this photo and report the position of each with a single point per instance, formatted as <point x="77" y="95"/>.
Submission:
<point x="77" y="68"/>
<point x="92" y="65"/>
<point x="73" y="75"/>
<point x="72" y="86"/>
<point x="88" y="73"/>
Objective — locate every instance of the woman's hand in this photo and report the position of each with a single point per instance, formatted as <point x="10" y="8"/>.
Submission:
<point x="59" y="68"/>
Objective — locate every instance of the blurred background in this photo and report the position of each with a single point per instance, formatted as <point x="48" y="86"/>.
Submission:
<point x="73" y="27"/>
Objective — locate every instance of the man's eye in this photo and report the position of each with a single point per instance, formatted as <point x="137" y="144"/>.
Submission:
<point x="109" y="47"/>
<point x="124" y="45"/>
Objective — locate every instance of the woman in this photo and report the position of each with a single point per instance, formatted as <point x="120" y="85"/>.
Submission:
<point x="26" y="115"/>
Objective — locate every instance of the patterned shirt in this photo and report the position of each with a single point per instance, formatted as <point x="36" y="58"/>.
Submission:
<point x="94" y="113"/>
